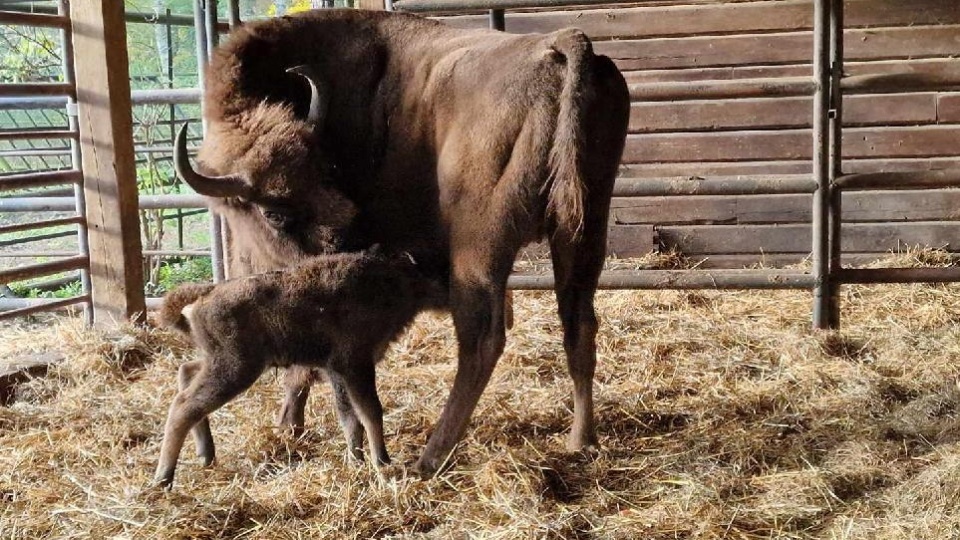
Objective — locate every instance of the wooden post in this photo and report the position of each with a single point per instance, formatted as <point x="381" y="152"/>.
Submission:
<point x="109" y="171"/>
<point x="370" y="4"/>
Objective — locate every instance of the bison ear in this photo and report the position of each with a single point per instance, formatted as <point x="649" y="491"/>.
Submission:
<point x="319" y="94"/>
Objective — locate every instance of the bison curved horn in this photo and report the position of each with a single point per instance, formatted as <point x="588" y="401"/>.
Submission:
<point x="211" y="186"/>
<point x="318" y="94"/>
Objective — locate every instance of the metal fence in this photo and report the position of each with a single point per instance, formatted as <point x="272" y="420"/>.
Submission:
<point x="827" y="85"/>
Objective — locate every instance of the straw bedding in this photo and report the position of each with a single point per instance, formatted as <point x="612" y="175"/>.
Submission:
<point x="721" y="415"/>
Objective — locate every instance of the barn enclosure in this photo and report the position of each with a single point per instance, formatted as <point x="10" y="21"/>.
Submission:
<point x="777" y="147"/>
<point x="735" y="156"/>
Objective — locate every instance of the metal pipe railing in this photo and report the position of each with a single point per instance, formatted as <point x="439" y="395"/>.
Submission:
<point x="43" y="269"/>
<point x="19" y="307"/>
<point x="39" y="20"/>
<point x="821" y="163"/>
<point x="29" y="226"/>
<point x="39" y="179"/>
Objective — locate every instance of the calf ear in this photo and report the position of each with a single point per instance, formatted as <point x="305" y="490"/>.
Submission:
<point x="319" y="93"/>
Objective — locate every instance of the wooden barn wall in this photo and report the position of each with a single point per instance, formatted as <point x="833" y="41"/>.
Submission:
<point x="687" y="41"/>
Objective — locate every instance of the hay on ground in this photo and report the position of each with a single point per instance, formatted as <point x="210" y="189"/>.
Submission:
<point x="721" y="415"/>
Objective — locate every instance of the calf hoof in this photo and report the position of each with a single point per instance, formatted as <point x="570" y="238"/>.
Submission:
<point x="163" y="480"/>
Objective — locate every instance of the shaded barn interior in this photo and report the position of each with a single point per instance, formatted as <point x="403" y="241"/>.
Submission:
<point x="690" y="42"/>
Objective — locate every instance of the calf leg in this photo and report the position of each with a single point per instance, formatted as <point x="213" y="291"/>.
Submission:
<point x="201" y="431"/>
<point x="296" y="385"/>
<point x="361" y="387"/>
<point x="349" y="423"/>
<point x="209" y="389"/>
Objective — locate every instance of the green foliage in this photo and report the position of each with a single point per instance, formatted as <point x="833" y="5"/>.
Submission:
<point x="173" y="273"/>
<point x="69" y="290"/>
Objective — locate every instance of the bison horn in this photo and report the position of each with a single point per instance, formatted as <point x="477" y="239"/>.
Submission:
<point x="211" y="186"/>
<point x="318" y="94"/>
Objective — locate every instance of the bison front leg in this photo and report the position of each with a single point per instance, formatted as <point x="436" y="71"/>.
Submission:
<point x="478" y="318"/>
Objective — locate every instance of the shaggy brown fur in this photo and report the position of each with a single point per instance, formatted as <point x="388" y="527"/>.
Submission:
<point x="459" y="146"/>
<point x="338" y="312"/>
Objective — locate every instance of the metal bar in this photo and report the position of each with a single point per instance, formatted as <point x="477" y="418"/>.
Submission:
<point x="679" y="279"/>
<point x="62" y="204"/>
<point x="37" y="89"/>
<point x="176" y="253"/>
<point x="721" y="89"/>
<point x="718" y="185"/>
<point x="835" y="213"/>
<point x="899" y="275"/>
<point x="166" y="96"/>
<point x="139" y="17"/>
<point x="498" y="20"/>
<point x="821" y="164"/>
<point x="39" y="179"/>
<point x="155" y="96"/>
<point x="58" y="222"/>
<point x="945" y="178"/>
<point x="37" y="238"/>
<point x="428" y="6"/>
<point x="79" y="195"/>
<point x="38" y="305"/>
<point x="33" y="19"/>
<point x="38" y="134"/>
<point x="42" y="269"/>
<point x="203" y="54"/>
<point x="35" y="254"/>
<point x="213" y="36"/>
<point x="233" y="14"/>
<point x="158" y="202"/>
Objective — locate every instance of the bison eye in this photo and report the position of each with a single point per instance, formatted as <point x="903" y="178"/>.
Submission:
<point x="276" y="219"/>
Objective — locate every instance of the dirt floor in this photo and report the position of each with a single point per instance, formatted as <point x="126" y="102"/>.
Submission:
<point x="721" y="415"/>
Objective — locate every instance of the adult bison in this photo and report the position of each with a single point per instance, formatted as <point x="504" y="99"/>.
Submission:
<point x="457" y="146"/>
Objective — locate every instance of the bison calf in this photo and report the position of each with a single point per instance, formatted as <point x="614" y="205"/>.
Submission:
<point x="338" y="312"/>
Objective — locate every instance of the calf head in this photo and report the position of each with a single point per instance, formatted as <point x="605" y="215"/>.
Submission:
<point x="272" y="181"/>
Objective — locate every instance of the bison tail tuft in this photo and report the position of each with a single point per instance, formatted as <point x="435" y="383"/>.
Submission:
<point x="179" y="301"/>
<point x="565" y="201"/>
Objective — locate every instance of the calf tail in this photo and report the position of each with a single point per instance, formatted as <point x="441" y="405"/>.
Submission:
<point x="177" y="302"/>
<point x="565" y="201"/>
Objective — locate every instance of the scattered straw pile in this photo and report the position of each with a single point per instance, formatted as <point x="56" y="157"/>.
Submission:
<point x="721" y="416"/>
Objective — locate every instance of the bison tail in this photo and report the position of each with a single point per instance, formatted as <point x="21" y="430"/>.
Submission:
<point x="179" y="301"/>
<point x="565" y="201"/>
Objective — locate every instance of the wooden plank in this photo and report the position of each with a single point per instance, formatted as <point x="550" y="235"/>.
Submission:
<point x="720" y="18"/>
<point x="110" y="180"/>
<point x="865" y="206"/>
<point x="948" y="108"/>
<point x="706" y="169"/>
<point x="795" y="238"/>
<point x="376" y="5"/>
<point x="730" y="114"/>
<point x="925" y="141"/>
<point x="18" y="370"/>
<point x="922" y="66"/>
<point x="780" y="48"/>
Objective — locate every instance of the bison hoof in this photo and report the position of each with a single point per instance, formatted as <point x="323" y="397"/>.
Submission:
<point x="426" y="467"/>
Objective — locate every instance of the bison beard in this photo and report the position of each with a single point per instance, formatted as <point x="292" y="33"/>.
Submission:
<point x="458" y="146"/>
